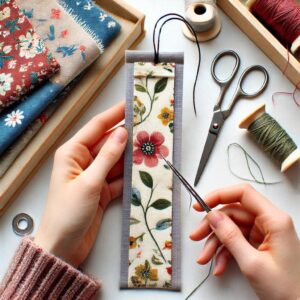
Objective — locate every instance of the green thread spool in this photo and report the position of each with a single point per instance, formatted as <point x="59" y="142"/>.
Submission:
<point x="272" y="137"/>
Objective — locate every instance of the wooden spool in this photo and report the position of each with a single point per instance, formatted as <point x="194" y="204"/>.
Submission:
<point x="205" y="20"/>
<point x="295" y="45"/>
<point x="248" y="120"/>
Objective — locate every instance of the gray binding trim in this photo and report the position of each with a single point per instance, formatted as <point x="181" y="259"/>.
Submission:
<point x="178" y="58"/>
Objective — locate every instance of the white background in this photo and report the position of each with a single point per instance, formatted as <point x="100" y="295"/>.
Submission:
<point x="104" y="261"/>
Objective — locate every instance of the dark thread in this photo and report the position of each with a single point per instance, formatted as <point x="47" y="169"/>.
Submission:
<point x="156" y="45"/>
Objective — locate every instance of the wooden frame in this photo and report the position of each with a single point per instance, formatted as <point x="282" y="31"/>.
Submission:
<point x="263" y="38"/>
<point x="81" y="96"/>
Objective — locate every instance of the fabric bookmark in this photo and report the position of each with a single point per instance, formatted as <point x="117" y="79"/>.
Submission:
<point x="25" y="62"/>
<point x="102" y="27"/>
<point x="60" y="33"/>
<point x="151" y="207"/>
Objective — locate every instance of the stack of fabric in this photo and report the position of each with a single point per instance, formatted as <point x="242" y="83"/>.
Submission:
<point x="45" y="46"/>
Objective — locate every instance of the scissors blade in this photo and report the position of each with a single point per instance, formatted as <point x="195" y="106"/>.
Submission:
<point x="209" y="144"/>
<point x="214" y="130"/>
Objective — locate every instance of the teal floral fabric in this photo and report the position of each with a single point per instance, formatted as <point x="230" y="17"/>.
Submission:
<point x="98" y="23"/>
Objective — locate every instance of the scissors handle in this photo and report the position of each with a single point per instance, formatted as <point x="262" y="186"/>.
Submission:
<point x="224" y="84"/>
<point x="240" y="93"/>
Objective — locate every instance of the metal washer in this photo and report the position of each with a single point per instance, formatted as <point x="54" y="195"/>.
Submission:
<point x="22" y="217"/>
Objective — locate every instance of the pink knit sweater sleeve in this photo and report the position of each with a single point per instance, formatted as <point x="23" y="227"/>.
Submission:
<point x="36" y="274"/>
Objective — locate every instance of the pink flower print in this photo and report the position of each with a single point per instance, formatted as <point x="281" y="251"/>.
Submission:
<point x="148" y="148"/>
<point x="82" y="48"/>
<point x="55" y="13"/>
<point x="64" y="33"/>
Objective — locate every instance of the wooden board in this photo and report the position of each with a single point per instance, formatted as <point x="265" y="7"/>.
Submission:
<point x="263" y="38"/>
<point x="81" y="96"/>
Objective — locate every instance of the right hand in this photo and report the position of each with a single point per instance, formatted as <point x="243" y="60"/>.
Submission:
<point x="260" y="237"/>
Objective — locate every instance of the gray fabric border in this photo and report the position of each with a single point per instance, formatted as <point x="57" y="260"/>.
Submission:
<point x="178" y="58"/>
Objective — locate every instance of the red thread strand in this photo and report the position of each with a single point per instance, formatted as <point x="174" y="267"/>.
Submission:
<point x="281" y="17"/>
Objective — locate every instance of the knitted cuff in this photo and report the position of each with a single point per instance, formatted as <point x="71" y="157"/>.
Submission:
<point x="36" y="274"/>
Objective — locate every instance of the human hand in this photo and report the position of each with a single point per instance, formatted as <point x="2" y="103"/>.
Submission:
<point x="86" y="176"/>
<point x="260" y="237"/>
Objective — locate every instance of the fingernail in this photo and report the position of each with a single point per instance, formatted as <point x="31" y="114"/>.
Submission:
<point x="214" y="218"/>
<point x="193" y="233"/>
<point x="119" y="135"/>
<point x="199" y="259"/>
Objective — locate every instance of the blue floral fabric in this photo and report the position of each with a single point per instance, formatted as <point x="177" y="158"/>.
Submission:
<point x="98" y="23"/>
<point x="73" y="54"/>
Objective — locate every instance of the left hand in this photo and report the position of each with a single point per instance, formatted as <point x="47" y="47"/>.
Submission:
<point x="86" y="176"/>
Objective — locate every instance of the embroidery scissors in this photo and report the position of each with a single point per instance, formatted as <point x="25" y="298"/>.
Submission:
<point x="188" y="186"/>
<point x="220" y="115"/>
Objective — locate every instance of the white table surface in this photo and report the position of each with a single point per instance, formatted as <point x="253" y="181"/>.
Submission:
<point x="104" y="260"/>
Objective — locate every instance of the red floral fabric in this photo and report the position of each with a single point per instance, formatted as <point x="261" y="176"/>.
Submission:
<point x="25" y="62"/>
<point x="149" y="148"/>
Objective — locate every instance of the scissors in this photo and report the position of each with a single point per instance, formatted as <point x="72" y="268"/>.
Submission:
<point x="220" y="115"/>
<point x="188" y="186"/>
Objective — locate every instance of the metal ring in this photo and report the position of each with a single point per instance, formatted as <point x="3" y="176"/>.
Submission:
<point x="16" y="224"/>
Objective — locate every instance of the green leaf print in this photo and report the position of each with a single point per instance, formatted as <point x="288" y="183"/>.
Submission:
<point x="134" y="221"/>
<point x="140" y="88"/>
<point x="156" y="261"/>
<point x="161" y="204"/>
<point x="160" y="85"/>
<point x="146" y="179"/>
<point x="163" y="224"/>
<point x="135" y="197"/>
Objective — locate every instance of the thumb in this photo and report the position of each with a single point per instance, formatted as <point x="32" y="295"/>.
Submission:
<point x="108" y="156"/>
<point x="231" y="237"/>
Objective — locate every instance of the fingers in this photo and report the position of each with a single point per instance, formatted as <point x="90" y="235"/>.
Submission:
<point x="116" y="188"/>
<point x="110" y="192"/>
<point x="96" y="147"/>
<point x="231" y="237"/>
<point x="221" y="261"/>
<point x="212" y="244"/>
<point x="235" y="211"/>
<point x="252" y="200"/>
<point x="117" y="170"/>
<point x="93" y="131"/>
<point x="107" y="157"/>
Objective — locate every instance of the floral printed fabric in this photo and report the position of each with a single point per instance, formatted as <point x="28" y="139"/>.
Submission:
<point x="98" y="23"/>
<point x="150" y="238"/>
<point x="10" y="155"/>
<point x="25" y="62"/>
<point x="60" y="33"/>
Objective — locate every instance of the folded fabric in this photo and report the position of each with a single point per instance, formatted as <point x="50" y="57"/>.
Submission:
<point x="10" y="155"/>
<point x="106" y="36"/>
<point x="25" y="62"/>
<point x="100" y="25"/>
<point x="60" y="33"/>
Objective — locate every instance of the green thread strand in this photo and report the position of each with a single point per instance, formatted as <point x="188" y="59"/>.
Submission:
<point x="272" y="137"/>
<point x="202" y="282"/>
<point x="250" y="161"/>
